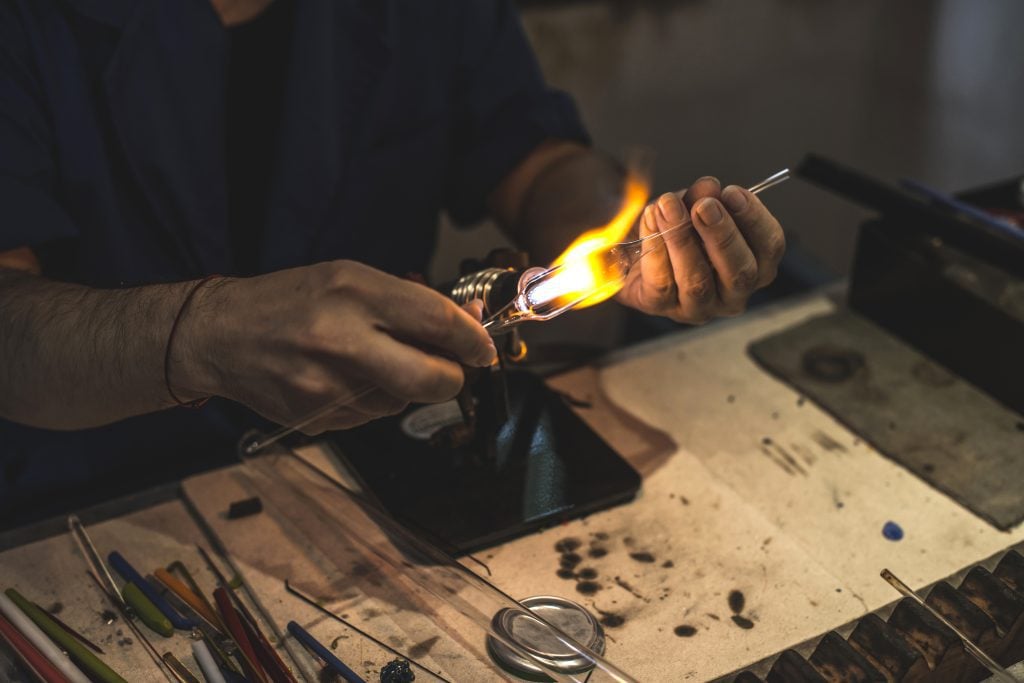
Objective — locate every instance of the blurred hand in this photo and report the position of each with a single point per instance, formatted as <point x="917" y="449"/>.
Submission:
<point x="710" y="268"/>
<point x="290" y="342"/>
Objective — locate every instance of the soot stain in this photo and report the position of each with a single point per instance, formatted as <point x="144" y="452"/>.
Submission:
<point x="685" y="631"/>
<point x="108" y="616"/>
<point x="612" y="620"/>
<point x="423" y="648"/>
<point x="737" y="601"/>
<point x="831" y="364"/>
<point x="570" y="560"/>
<point x="742" y="622"/>
<point x="588" y="587"/>
<point x="668" y="564"/>
<point x="55" y="608"/>
<point x="596" y="552"/>
<point x="565" y="573"/>
<point x="125" y="642"/>
<point x="567" y="545"/>
<point x="684" y="500"/>
<point x="600" y="536"/>
<point x="628" y="541"/>
<point x="730" y="398"/>
<point x="644" y="557"/>
<point x="714" y="616"/>
<point x="587" y="574"/>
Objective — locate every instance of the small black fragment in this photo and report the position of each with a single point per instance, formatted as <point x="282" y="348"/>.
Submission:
<point x="668" y="564"/>
<point x="588" y="587"/>
<point x="644" y="557"/>
<point x="55" y="608"/>
<point x="245" y="508"/>
<point x="737" y="601"/>
<point x="596" y="552"/>
<point x="742" y="622"/>
<point x="566" y="573"/>
<point x="685" y="631"/>
<point x="397" y="671"/>
<point x="109" y="617"/>
<point x="587" y="573"/>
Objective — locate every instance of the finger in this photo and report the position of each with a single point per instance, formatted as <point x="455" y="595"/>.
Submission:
<point x="409" y="373"/>
<point x="657" y="285"/>
<point x="343" y="418"/>
<point x="733" y="261"/>
<point x="378" y="403"/>
<point x="475" y="308"/>
<point x="694" y="279"/>
<point x="422" y="316"/>
<point x="760" y="229"/>
<point x="708" y="186"/>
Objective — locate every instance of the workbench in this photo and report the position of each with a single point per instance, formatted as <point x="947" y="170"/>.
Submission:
<point x="728" y="555"/>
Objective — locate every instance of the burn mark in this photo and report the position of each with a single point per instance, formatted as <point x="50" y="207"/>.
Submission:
<point x="567" y="545"/>
<point x="831" y="364"/>
<point x="612" y="620"/>
<point x="730" y="399"/>
<point x="714" y="616"/>
<point x="684" y="500"/>
<point x="565" y="573"/>
<point x="781" y="457"/>
<point x="570" y="560"/>
<point x="108" y="616"/>
<point x="423" y="648"/>
<point x="588" y="587"/>
<point x="600" y="536"/>
<point x="643" y="556"/>
<point x="597" y="551"/>
<point x="624" y="585"/>
<point x="827" y="442"/>
<point x="742" y="622"/>
<point x="587" y="574"/>
<point x="668" y="564"/>
<point x="685" y="631"/>
<point x="737" y="601"/>
<point x="55" y="608"/>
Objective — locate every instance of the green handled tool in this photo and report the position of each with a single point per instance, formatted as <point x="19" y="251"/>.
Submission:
<point x="147" y="611"/>
<point x="81" y="654"/>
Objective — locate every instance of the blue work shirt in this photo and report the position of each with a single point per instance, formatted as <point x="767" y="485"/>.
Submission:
<point x="112" y="167"/>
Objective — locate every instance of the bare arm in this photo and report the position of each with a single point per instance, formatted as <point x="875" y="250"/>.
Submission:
<point x="73" y="357"/>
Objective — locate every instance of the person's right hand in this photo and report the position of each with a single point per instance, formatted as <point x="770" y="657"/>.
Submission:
<point x="290" y="342"/>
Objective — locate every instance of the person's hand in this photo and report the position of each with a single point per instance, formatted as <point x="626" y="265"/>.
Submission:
<point x="711" y="267"/>
<point x="290" y="342"/>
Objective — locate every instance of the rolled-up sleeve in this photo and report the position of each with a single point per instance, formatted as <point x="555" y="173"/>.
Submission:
<point x="29" y="211"/>
<point x="504" y="109"/>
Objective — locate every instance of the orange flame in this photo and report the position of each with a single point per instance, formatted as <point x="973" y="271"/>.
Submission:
<point x="587" y="271"/>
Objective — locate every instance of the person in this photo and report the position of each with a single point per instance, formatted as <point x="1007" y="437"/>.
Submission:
<point x="302" y="151"/>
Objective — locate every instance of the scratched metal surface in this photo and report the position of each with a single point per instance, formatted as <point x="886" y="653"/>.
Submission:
<point x="935" y="424"/>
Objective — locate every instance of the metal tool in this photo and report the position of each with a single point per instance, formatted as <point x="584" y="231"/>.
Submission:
<point x="99" y="570"/>
<point x="998" y="672"/>
<point x="323" y="610"/>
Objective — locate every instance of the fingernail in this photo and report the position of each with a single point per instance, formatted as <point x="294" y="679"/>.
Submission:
<point x="707" y="177"/>
<point x="671" y="208"/>
<point x="488" y="356"/>
<point x="708" y="211"/>
<point x="734" y="199"/>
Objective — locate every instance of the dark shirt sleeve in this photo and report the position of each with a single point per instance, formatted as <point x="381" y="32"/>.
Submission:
<point x="29" y="212"/>
<point x="504" y="109"/>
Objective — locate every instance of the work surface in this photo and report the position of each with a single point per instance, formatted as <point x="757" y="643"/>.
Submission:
<point x="760" y="527"/>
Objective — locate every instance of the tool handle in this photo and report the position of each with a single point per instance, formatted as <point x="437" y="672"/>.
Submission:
<point x="323" y="653"/>
<point x="128" y="573"/>
<point x="147" y="611"/>
<point x="81" y="654"/>
<point x="32" y="658"/>
<point x="233" y="622"/>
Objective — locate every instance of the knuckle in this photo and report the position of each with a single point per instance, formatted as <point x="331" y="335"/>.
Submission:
<point x="745" y="278"/>
<point x="776" y="247"/>
<point x="726" y="237"/>
<point x="700" y="290"/>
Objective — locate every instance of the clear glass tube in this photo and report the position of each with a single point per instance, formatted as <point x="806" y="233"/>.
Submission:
<point x="381" y="563"/>
<point x="545" y="293"/>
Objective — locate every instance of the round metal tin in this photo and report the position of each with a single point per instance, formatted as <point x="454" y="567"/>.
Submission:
<point x="535" y="640"/>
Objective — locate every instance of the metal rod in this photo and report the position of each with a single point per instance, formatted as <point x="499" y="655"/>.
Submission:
<point x="148" y="646"/>
<point x="260" y="443"/>
<point x="323" y="610"/>
<point x="95" y="563"/>
<point x="998" y="672"/>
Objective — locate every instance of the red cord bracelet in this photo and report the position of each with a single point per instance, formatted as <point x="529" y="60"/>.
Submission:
<point x="198" y="403"/>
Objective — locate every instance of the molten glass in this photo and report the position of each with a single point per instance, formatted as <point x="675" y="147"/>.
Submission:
<point x="594" y="267"/>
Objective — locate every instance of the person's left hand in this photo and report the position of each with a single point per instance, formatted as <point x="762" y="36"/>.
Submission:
<point x="710" y="268"/>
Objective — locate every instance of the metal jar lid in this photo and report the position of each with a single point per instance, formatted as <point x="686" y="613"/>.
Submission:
<point x="535" y="639"/>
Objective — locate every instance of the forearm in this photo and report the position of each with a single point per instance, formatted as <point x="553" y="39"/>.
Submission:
<point x="73" y="357"/>
<point x="577" y="190"/>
